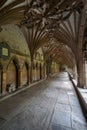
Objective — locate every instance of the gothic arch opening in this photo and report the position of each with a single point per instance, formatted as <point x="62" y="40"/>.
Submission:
<point x="12" y="74"/>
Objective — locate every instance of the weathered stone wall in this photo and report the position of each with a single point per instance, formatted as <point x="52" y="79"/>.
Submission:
<point x="13" y="36"/>
<point x="15" y="71"/>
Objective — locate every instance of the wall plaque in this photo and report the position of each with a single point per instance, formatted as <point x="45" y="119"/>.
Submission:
<point x="4" y="51"/>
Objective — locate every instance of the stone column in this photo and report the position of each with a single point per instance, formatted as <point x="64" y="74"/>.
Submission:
<point x="4" y="74"/>
<point x="44" y="71"/>
<point x="45" y="76"/>
<point x="0" y="81"/>
<point x="40" y="72"/>
<point x="35" y="74"/>
<point x="20" y="77"/>
<point x="75" y="72"/>
<point x="28" y="76"/>
<point x="31" y="70"/>
<point x="37" y="69"/>
<point x="80" y="71"/>
<point x="85" y="73"/>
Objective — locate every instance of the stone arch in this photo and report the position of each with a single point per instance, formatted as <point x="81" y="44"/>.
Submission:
<point x="14" y="58"/>
<point x="12" y="77"/>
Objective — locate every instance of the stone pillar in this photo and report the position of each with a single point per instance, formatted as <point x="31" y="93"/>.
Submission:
<point x="0" y="81"/>
<point x="4" y="74"/>
<point x="20" y="77"/>
<point x="47" y="70"/>
<point x="44" y="71"/>
<point x="31" y="70"/>
<point x="28" y="76"/>
<point x="35" y="74"/>
<point x="85" y="72"/>
<point x="75" y="72"/>
<point x="45" y="76"/>
<point x="80" y="71"/>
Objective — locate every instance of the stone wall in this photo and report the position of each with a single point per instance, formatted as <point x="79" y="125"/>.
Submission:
<point x="15" y="70"/>
<point x="13" y="36"/>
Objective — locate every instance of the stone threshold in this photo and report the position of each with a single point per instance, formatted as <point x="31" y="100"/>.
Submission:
<point x="8" y="95"/>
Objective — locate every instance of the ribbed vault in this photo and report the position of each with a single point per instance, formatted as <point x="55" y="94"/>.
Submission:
<point x="45" y="21"/>
<point x="11" y="11"/>
<point x="60" y="53"/>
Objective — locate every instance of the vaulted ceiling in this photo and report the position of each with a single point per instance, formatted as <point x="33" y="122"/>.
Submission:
<point x="51" y="24"/>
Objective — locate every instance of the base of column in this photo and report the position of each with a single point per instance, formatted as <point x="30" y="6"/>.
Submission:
<point x="80" y="86"/>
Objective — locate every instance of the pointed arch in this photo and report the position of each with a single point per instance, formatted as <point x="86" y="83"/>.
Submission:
<point x="13" y="72"/>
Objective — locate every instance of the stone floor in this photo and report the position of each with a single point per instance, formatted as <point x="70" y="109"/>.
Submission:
<point x="50" y="105"/>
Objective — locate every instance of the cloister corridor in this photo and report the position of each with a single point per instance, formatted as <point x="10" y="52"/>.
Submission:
<point x="50" y="105"/>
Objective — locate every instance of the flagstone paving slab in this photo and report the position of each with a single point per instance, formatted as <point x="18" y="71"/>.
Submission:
<point x="50" y="105"/>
